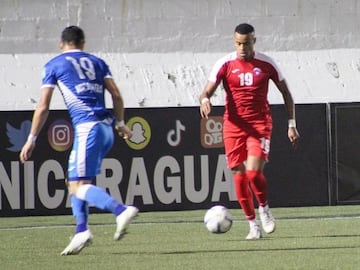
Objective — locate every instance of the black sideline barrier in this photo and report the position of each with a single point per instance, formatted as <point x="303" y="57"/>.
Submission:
<point x="345" y="123"/>
<point x="175" y="161"/>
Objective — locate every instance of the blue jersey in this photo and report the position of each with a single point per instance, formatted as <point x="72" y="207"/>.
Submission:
<point x="80" y="78"/>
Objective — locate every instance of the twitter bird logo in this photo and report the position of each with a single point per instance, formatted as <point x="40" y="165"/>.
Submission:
<point x="17" y="137"/>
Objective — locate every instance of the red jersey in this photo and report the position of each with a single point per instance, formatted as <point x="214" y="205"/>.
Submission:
<point x="246" y="85"/>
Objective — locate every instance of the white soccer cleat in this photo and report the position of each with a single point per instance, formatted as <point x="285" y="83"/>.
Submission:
<point x="267" y="220"/>
<point x="123" y="220"/>
<point x="254" y="233"/>
<point x="77" y="243"/>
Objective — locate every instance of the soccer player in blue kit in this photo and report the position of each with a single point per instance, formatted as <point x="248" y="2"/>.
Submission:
<point x="82" y="79"/>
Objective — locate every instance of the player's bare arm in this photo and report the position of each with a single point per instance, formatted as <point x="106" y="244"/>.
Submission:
<point x="118" y="106"/>
<point x="40" y="115"/>
<point x="205" y="104"/>
<point x="293" y="134"/>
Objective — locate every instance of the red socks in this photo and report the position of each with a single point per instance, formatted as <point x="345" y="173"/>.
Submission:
<point x="244" y="195"/>
<point x="258" y="185"/>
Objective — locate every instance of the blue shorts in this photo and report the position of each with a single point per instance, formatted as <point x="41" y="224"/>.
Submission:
<point x="92" y="142"/>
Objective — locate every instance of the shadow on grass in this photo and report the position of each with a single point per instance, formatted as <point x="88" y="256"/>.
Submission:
<point x="252" y="250"/>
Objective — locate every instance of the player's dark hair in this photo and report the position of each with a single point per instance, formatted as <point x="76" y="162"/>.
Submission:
<point x="73" y="34"/>
<point x="244" y="29"/>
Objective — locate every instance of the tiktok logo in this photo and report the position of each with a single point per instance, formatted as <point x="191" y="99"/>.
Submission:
<point x="174" y="135"/>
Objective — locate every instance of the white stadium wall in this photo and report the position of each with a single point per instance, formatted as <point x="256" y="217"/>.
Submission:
<point x="160" y="52"/>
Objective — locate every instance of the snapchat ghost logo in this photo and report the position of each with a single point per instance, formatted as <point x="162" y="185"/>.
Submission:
<point x="138" y="134"/>
<point x="141" y="133"/>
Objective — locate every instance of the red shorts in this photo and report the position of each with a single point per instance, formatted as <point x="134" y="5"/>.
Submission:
<point x="241" y="142"/>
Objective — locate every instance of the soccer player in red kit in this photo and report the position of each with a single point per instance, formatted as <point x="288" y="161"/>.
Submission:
<point x="247" y="127"/>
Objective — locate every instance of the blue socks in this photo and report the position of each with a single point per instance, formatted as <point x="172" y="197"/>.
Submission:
<point x="80" y="211"/>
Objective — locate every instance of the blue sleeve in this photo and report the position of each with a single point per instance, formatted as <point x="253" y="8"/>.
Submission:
<point x="106" y="69"/>
<point x="48" y="76"/>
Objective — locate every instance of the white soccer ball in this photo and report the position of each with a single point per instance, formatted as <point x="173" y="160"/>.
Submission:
<point x="218" y="219"/>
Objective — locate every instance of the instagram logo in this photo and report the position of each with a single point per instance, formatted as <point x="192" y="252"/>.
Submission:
<point x="60" y="135"/>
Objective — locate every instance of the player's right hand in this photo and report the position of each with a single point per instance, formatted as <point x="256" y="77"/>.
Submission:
<point x="26" y="151"/>
<point x="205" y="109"/>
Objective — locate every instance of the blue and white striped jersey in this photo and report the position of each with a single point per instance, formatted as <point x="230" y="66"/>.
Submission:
<point x="80" y="78"/>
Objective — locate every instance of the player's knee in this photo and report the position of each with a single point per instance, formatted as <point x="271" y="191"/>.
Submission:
<point x="74" y="186"/>
<point x="238" y="169"/>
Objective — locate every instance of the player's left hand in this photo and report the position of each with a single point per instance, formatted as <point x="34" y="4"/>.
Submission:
<point x="124" y="131"/>
<point x="294" y="136"/>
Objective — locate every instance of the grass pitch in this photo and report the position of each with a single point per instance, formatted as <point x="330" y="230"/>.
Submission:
<point x="306" y="238"/>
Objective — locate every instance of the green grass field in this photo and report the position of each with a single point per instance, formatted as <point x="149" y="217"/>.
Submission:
<point x="306" y="238"/>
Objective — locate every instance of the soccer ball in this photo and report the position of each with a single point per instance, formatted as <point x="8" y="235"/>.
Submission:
<point x="218" y="219"/>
